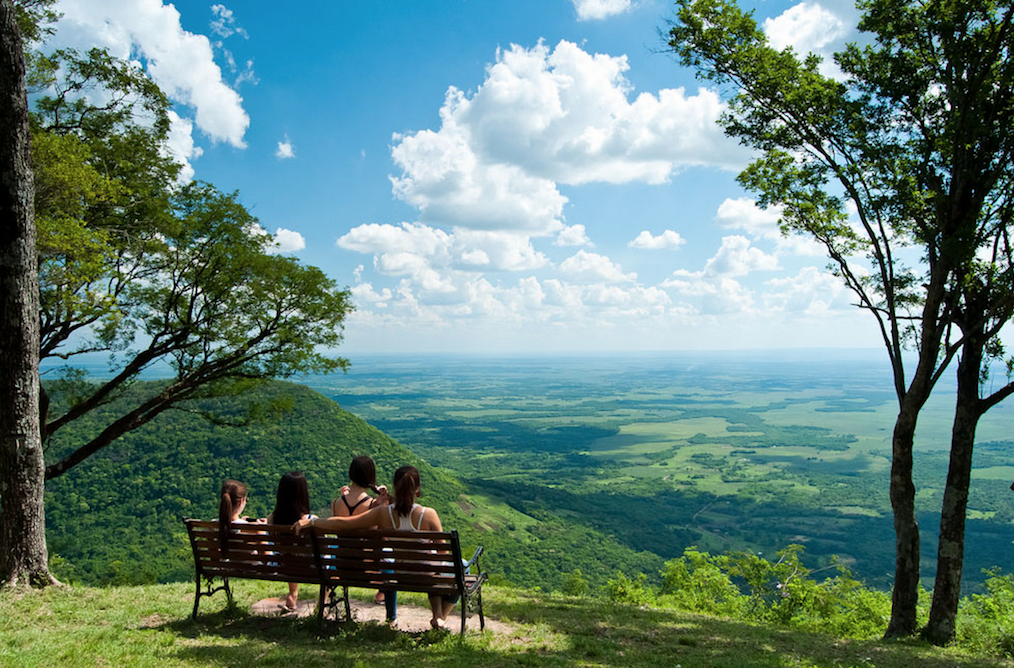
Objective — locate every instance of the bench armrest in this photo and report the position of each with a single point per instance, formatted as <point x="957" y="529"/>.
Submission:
<point x="473" y="560"/>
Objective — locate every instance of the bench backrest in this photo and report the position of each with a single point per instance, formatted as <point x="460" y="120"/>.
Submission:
<point x="428" y="561"/>
<point x="261" y="551"/>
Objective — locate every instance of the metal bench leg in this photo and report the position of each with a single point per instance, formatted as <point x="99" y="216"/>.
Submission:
<point x="321" y="597"/>
<point x="197" y="594"/>
<point x="464" y="613"/>
<point x="482" y="618"/>
<point x="348" y="608"/>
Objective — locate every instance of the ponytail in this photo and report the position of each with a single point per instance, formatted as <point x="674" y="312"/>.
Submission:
<point x="406" y="488"/>
<point x="233" y="493"/>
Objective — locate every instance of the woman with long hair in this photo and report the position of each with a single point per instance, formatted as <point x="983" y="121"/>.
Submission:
<point x="292" y="503"/>
<point x="231" y="503"/>
<point x="403" y="515"/>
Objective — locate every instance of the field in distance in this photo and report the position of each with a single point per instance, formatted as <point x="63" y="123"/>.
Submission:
<point x="724" y="451"/>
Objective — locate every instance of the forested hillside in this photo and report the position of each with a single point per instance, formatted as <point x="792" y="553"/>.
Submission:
<point x="116" y="518"/>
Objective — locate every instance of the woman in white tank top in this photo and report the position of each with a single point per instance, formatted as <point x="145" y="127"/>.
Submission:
<point x="403" y="515"/>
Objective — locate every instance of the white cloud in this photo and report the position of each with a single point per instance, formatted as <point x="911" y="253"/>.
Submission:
<point x="544" y="117"/>
<point x="364" y="292"/>
<point x="592" y="267"/>
<point x="807" y="27"/>
<point x="588" y="10"/>
<point x="224" y="24"/>
<point x="498" y="251"/>
<point x="503" y="251"/>
<point x="737" y="257"/>
<point x="405" y="238"/>
<point x="285" y="150"/>
<point x="810" y="292"/>
<point x="573" y="235"/>
<point x="180" y="62"/>
<point x="668" y="240"/>
<point x="744" y="214"/>
<point x="180" y="145"/>
<point x="289" y="241"/>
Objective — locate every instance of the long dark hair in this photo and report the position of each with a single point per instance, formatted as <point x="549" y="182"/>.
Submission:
<point x="292" y="501"/>
<point x="233" y="493"/>
<point x="363" y="472"/>
<point x="406" y="488"/>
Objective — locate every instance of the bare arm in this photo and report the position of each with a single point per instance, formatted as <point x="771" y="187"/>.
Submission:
<point x="364" y="521"/>
<point x="431" y="521"/>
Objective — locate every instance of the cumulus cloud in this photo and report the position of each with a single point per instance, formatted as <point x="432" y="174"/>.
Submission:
<point x="737" y="257"/>
<point x="289" y="241"/>
<point x="180" y="145"/>
<point x="592" y="267"/>
<point x="364" y="292"/>
<point x="743" y="214"/>
<point x="807" y="28"/>
<point x="573" y="235"/>
<point x="716" y="286"/>
<point x="285" y="150"/>
<point x="588" y="10"/>
<point x="668" y="240"/>
<point x="544" y="117"/>
<point x="180" y="62"/>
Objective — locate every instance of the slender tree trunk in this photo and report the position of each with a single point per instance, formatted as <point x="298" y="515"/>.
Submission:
<point x="22" y="514"/>
<point x="951" y="547"/>
<point x="905" y="594"/>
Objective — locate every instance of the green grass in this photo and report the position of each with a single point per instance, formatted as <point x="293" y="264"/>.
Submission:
<point x="150" y="626"/>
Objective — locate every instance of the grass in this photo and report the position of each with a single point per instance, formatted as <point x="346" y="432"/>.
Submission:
<point x="150" y="626"/>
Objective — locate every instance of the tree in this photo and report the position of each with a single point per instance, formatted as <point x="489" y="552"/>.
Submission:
<point x="136" y="265"/>
<point x="917" y="139"/>
<point x="21" y="460"/>
<point x="986" y="305"/>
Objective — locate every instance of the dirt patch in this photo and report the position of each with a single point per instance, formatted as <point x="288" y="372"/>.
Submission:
<point x="411" y="618"/>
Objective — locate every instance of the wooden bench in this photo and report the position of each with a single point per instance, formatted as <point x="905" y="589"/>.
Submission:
<point x="427" y="562"/>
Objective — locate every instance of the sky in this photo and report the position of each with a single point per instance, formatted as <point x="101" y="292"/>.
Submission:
<point x="525" y="176"/>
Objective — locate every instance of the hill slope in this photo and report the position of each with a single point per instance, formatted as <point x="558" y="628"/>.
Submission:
<point x="115" y="519"/>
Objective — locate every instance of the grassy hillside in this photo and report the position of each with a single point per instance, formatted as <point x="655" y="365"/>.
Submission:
<point x="150" y="626"/>
<point x="115" y="519"/>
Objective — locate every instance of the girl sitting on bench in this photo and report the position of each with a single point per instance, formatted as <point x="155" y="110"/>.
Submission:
<point x="404" y="515"/>
<point x="292" y="503"/>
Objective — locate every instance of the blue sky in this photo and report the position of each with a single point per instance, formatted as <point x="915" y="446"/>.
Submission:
<point x="490" y="177"/>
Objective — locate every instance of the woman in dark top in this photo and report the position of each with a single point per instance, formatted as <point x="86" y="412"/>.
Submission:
<point x="292" y="503"/>
<point x="354" y="498"/>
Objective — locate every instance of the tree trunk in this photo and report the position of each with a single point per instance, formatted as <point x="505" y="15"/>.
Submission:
<point x="905" y="594"/>
<point x="23" y="557"/>
<point x="951" y="547"/>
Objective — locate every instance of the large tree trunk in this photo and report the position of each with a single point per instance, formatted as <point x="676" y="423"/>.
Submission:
<point x="905" y="594"/>
<point x="951" y="547"/>
<point x="22" y="514"/>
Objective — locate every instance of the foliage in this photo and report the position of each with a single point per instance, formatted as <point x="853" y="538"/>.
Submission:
<point x="150" y="270"/>
<point x="986" y="624"/>
<point x="744" y="585"/>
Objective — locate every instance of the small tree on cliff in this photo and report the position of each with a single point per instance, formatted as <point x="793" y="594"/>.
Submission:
<point x="917" y="138"/>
